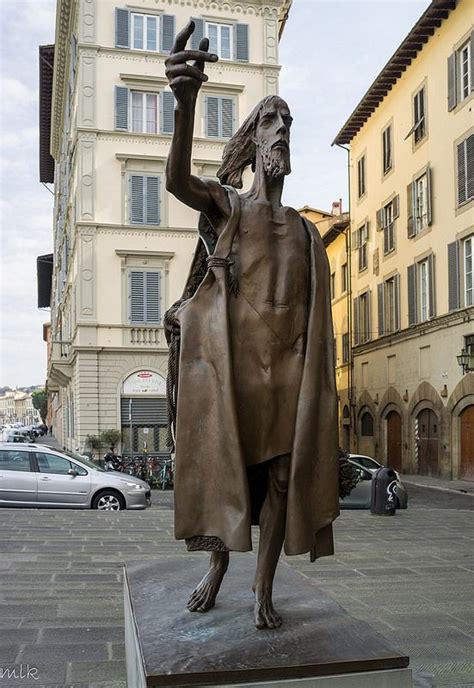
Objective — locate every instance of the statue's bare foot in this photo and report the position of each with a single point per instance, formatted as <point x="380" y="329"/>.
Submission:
<point x="203" y="598"/>
<point x="265" y="614"/>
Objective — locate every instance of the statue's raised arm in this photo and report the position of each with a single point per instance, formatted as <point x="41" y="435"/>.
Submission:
<point x="185" y="81"/>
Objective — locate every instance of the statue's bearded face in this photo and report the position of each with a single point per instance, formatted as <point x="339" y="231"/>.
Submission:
<point x="272" y="138"/>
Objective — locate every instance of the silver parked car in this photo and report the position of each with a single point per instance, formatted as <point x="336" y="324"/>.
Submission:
<point x="361" y="495"/>
<point x="40" y="476"/>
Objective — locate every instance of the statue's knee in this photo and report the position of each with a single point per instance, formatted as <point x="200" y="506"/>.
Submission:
<point x="280" y="474"/>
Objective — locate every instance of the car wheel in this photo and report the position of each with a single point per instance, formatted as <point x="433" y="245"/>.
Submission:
<point x="108" y="501"/>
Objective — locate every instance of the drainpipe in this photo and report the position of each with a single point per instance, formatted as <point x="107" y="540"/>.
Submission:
<point x="349" y="293"/>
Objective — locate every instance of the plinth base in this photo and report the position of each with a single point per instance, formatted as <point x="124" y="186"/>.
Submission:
<point x="320" y="642"/>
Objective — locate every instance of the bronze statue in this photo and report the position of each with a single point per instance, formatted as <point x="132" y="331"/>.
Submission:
<point x="251" y="384"/>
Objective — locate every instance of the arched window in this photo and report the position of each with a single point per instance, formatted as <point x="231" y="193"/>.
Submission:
<point x="367" y="424"/>
<point x="345" y="411"/>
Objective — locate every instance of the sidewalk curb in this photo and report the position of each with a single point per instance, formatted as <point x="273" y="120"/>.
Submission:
<point x="441" y="489"/>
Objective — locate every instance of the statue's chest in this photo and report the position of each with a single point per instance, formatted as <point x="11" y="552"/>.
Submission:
<point x="269" y="241"/>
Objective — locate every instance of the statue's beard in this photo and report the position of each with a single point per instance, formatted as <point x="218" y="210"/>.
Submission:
<point x="275" y="161"/>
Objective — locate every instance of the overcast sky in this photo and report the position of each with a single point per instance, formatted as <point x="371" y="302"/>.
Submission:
<point x="331" y="51"/>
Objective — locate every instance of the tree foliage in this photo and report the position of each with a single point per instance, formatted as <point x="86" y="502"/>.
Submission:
<point x="39" y="399"/>
<point x="93" y="443"/>
<point x="110" y="438"/>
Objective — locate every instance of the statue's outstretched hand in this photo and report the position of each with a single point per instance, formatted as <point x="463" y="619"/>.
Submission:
<point x="186" y="79"/>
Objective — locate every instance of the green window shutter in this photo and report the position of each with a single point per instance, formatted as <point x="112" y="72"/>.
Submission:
<point x="152" y="297"/>
<point x="380" y="304"/>
<point x="152" y="200"/>
<point x="227" y="117"/>
<point x="198" y="33"/>
<point x="453" y="276"/>
<point x="379" y="219"/>
<point x="470" y="163"/>
<point x="452" y="95"/>
<point x="396" y="207"/>
<point x="356" y="321"/>
<point x="411" y="229"/>
<point x="167" y="112"/>
<point x="396" y="288"/>
<point x="167" y="32"/>
<point x="212" y="116"/>
<point x="136" y="199"/>
<point x="429" y="194"/>
<point x="462" y="195"/>
<point x="122" y="28"/>
<point x="411" y="282"/>
<point x="121" y="108"/>
<point x="241" y="42"/>
<point x="472" y="60"/>
<point x="136" y="296"/>
<point x="431" y="285"/>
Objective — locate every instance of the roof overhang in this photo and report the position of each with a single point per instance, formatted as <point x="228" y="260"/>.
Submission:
<point x="46" y="71"/>
<point x="425" y="27"/>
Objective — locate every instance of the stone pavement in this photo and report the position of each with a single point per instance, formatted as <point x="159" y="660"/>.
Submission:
<point x="61" y="610"/>
<point x="463" y="486"/>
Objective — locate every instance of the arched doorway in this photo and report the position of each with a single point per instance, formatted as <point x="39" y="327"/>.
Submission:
<point x="346" y="428"/>
<point x="394" y="440"/>
<point x="467" y="443"/>
<point x="426" y="436"/>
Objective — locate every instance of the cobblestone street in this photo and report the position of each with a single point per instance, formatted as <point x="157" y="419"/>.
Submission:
<point x="410" y="577"/>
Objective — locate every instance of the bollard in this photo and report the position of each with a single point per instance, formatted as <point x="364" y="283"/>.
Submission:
<point x="384" y="492"/>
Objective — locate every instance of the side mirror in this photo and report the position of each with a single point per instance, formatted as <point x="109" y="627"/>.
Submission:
<point x="73" y="472"/>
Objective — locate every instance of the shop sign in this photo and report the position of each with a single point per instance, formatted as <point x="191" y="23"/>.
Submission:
<point x="144" y="382"/>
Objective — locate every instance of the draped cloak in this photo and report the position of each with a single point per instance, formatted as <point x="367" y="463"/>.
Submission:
<point x="212" y="495"/>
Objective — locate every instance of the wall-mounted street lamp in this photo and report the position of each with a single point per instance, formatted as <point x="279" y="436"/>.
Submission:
<point x="466" y="360"/>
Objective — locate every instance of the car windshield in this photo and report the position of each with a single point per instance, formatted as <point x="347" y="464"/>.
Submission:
<point x="82" y="459"/>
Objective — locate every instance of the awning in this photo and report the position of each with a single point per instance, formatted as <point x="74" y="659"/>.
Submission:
<point x="44" y="273"/>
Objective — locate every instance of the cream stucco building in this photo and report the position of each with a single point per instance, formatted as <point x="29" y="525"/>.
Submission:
<point x="411" y="159"/>
<point x="122" y="244"/>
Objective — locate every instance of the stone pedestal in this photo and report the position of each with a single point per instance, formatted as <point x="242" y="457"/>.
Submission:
<point x="318" y="642"/>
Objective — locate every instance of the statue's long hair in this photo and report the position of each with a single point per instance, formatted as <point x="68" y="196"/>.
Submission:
<point x="240" y="150"/>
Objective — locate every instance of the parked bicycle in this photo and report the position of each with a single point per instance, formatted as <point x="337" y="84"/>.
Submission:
<point x="165" y="475"/>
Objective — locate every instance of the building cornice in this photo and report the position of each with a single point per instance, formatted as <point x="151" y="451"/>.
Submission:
<point x="441" y="322"/>
<point x="64" y="18"/>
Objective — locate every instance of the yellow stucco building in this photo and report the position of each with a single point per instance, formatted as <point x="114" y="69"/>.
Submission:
<point x="334" y="232"/>
<point x="411" y="158"/>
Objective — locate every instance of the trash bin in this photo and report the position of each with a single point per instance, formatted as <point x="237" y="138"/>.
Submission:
<point x="384" y="492"/>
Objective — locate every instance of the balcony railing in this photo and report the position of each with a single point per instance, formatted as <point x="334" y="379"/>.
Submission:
<point x="147" y="336"/>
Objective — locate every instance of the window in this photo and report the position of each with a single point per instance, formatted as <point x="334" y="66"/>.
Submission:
<point x="465" y="170"/>
<point x="144" y="112"/>
<point x="460" y="77"/>
<point x="219" y="116"/>
<point x="229" y="41"/>
<point x="345" y="348"/>
<point x="344" y="275"/>
<point x="388" y="305"/>
<point x="367" y="424"/>
<point x="421" y="294"/>
<point x="144" y="199"/>
<point x="388" y="234"/>
<point x="144" y="296"/>
<point x="333" y="285"/>
<point x="141" y="31"/>
<point x="361" y="176"/>
<point x="50" y="463"/>
<point x="362" y="318"/>
<point x="419" y="115"/>
<point x="137" y="111"/>
<point x="419" y="203"/>
<point x="360" y="239"/>
<point x="387" y="149"/>
<point x="220" y="39"/>
<point x="15" y="461"/>
<point x="468" y="289"/>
